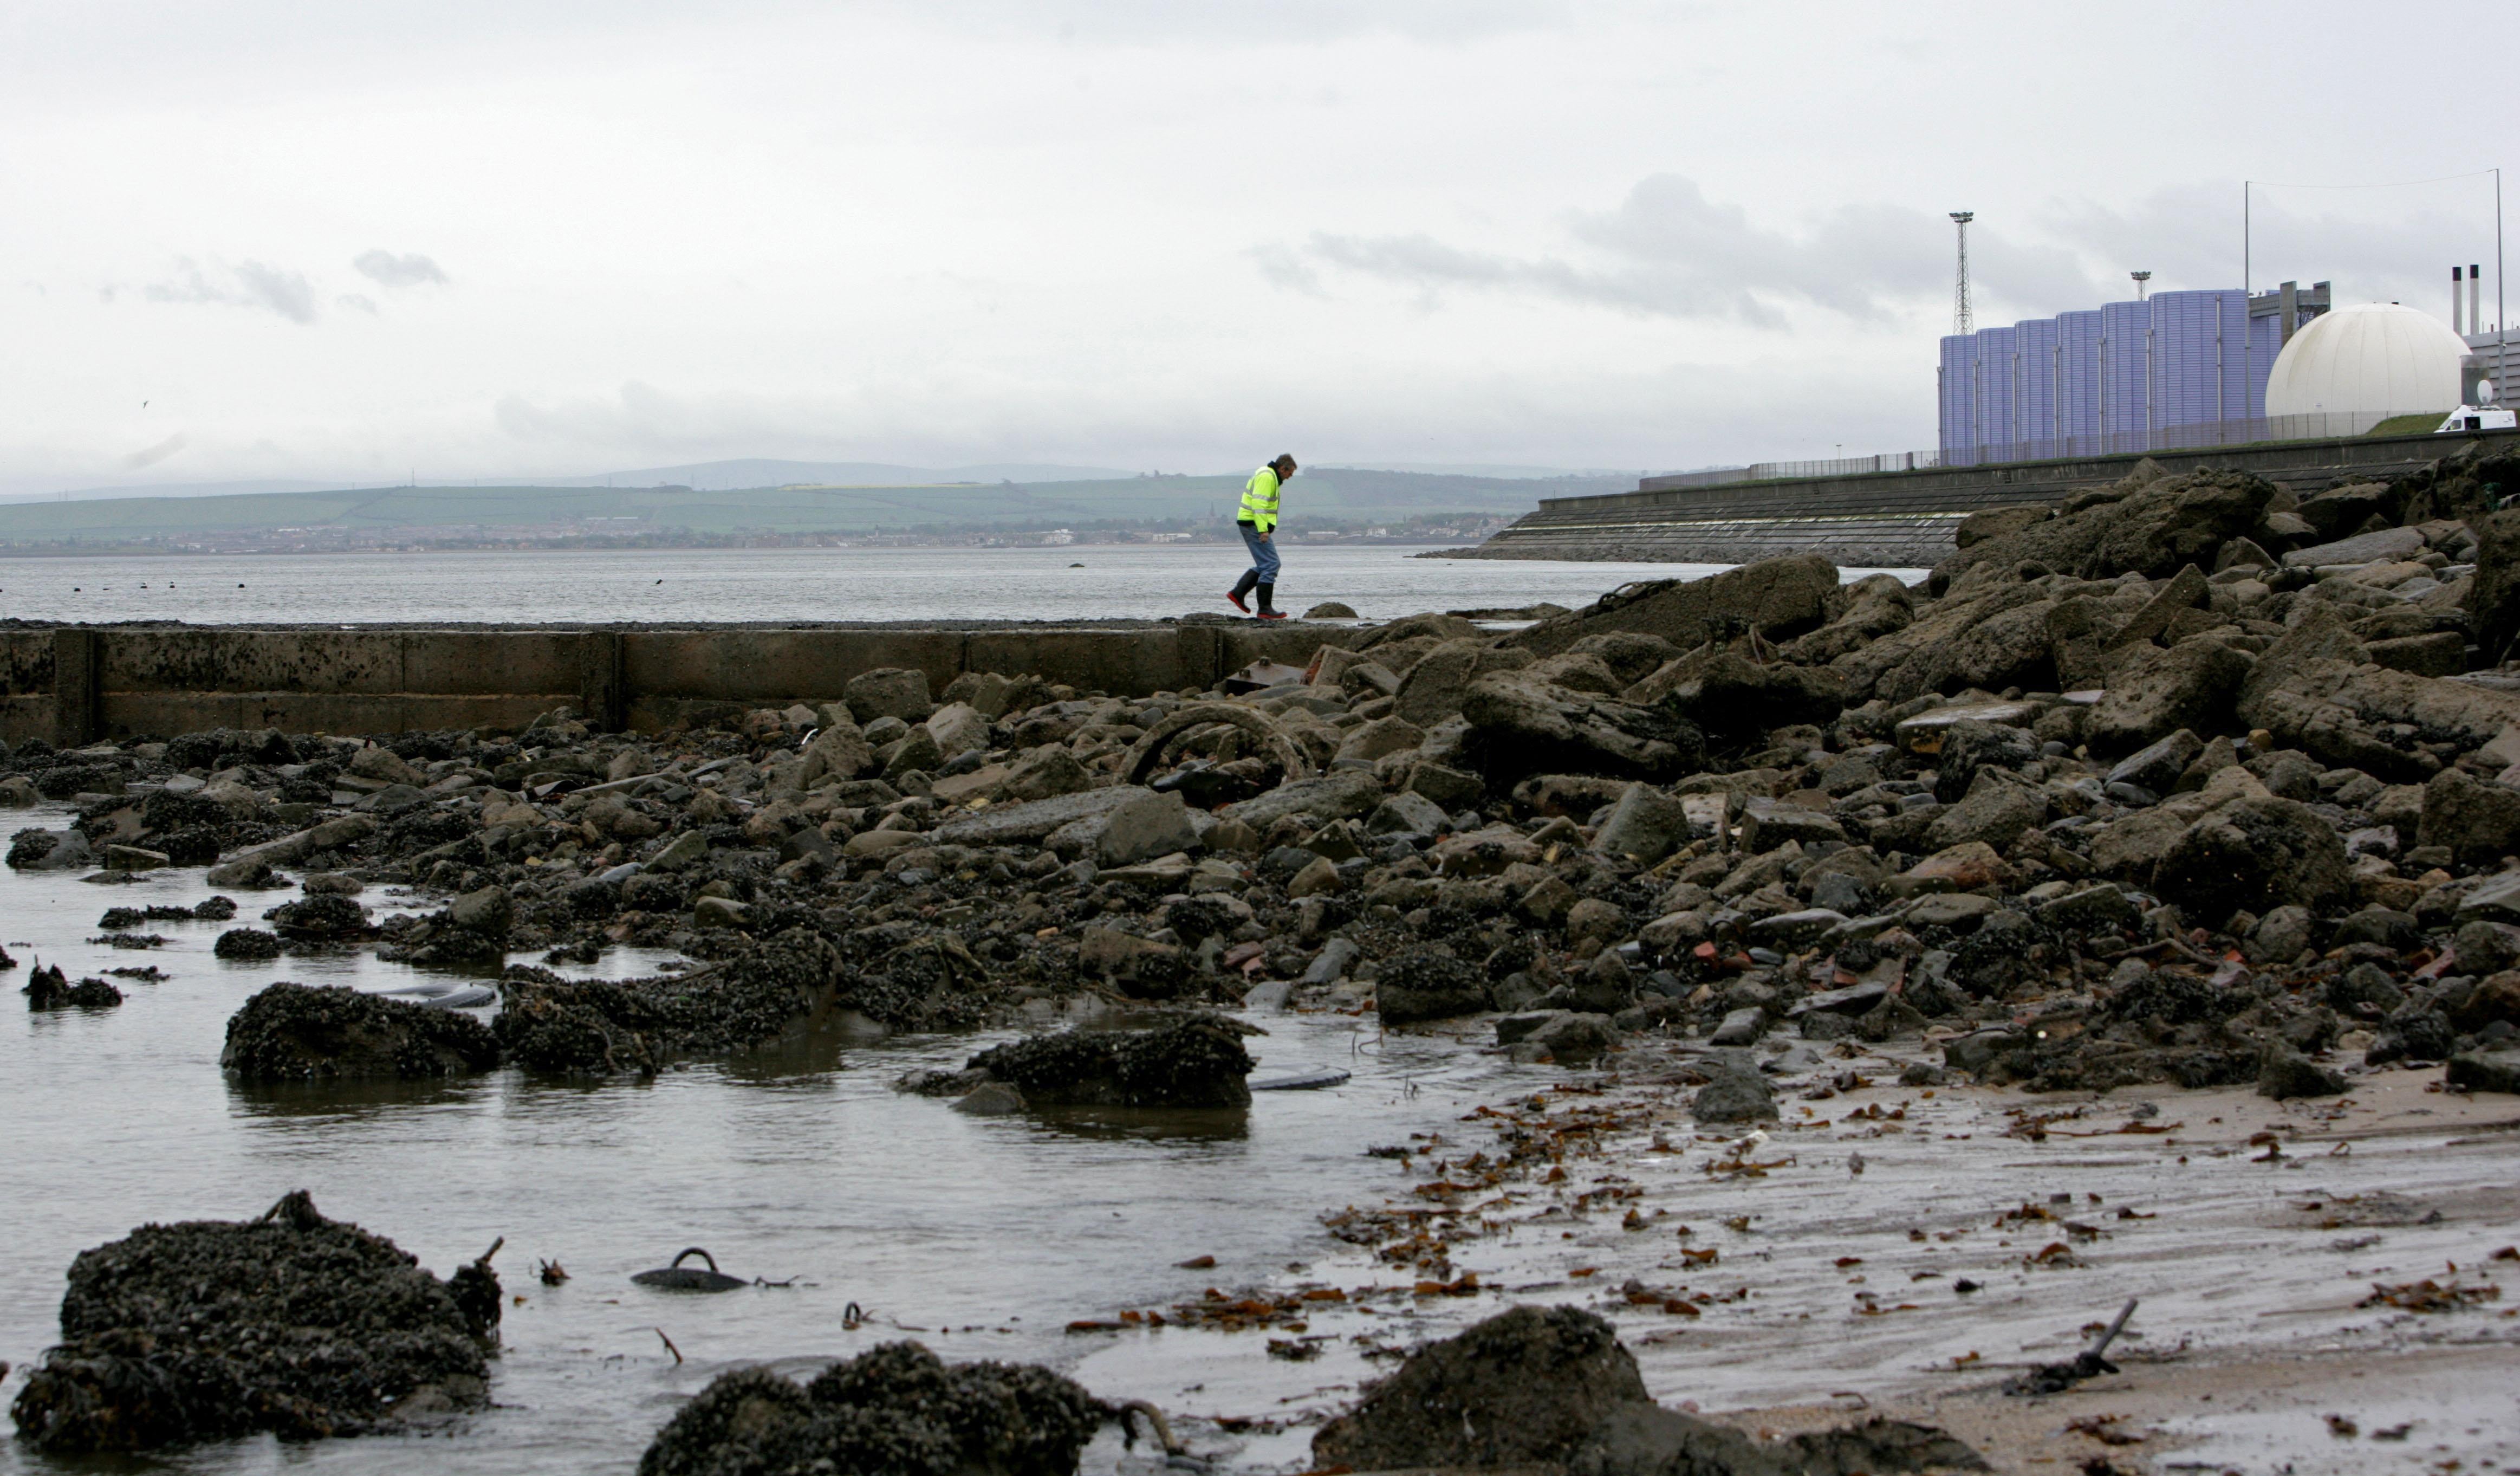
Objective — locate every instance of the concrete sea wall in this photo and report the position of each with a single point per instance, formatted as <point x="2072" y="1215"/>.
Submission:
<point x="74" y="684"/>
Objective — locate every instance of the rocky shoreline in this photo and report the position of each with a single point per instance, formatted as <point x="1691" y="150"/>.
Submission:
<point x="2182" y="782"/>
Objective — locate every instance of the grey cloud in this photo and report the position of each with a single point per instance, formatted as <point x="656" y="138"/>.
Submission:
<point x="357" y="299"/>
<point x="248" y="284"/>
<point x="1281" y="267"/>
<point x="389" y="271"/>
<point x="2373" y="244"/>
<point x="152" y="455"/>
<point x="1667" y="251"/>
<point x="1304" y="23"/>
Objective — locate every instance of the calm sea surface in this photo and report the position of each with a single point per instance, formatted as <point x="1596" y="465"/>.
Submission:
<point x="1084" y="582"/>
<point x="982" y="1236"/>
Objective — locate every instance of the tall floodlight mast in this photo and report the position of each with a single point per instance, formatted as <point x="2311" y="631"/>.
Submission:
<point x="1962" y="322"/>
<point x="2140" y="278"/>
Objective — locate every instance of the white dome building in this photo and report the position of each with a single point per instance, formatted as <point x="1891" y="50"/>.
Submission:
<point x="2377" y="359"/>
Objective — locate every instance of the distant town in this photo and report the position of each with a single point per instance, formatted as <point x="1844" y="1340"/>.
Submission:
<point x="623" y="533"/>
<point x="1337" y="506"/>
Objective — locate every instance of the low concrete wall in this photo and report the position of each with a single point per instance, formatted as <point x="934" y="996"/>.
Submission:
<point x="73" y="684"/>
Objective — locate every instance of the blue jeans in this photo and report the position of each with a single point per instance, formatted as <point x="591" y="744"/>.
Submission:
<point x="1264" y="555"/>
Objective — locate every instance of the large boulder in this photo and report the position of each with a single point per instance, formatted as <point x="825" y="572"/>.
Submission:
<point x="1647" y="1440"/>
<point x="894" y="1410"/>
<point x="290" y="1323"/>
<point x="1972" y="638"/>
<point x="1874" y="605"/>
<point x="1146" y="827"/>
<point x="1521" y="725"/>
<point x="958" y="729"/>
<point x="1340" y="796"/>
<point x="839" y="752"/>
<point x="1044" y="773"/>
<point x="2159" y="525"/>
<point x="888" y="692"/>
<point x="1431" y="690"/>
<point x="1645" y="824"/>
<point x="595" y="1026"/>
<point x="51" y="851"/>
<point x="1419" y="984"/>
<point x="1195" y="1061"/>
<point x="1972" y="744"/>
<point x="1780" y="598"/>
<point x="2189" y="685"/>
<point x="307" y="1032"/>
<point x="2255" y="854"/>
<point x="1996" y="809"/>
<point x="1737" y="699"/>
<point x="2492" y="601"/>
<point x="2478" y="819"/>
<point x="1036" y="820"/>
<point x="1525" y="1387"/>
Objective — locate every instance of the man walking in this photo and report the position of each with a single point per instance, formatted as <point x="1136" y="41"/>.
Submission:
<point x="1258" y="521"/>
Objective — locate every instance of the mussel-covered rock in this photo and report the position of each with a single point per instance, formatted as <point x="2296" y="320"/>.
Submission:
<point x="1195" y="1061"/>
<point x="600" y="1026"/>
<point x="305" y="1032"/>
<point x="208" y="1329"/>
<point x="49" y="988"/>
<point x="896" y="1411"/>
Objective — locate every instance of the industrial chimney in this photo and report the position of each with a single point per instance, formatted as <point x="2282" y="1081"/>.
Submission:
<point x="2455" y="318"/>
<point x="2475" y="306"/>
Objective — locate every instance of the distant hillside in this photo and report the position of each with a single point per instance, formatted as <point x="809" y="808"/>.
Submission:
<point x="1342" y="496"/>
<point x="753" y="471"/>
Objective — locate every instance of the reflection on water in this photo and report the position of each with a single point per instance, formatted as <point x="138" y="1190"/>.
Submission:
<point x="347" y="1100"/>
<point x="989" y="1234"/>
<point x="1203" y="1124"/>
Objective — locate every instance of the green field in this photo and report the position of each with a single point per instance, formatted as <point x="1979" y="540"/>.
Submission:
<point x="485" y="510"/>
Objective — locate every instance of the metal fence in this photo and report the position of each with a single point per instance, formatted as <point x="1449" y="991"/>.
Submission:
<point x="2214" y="433"/>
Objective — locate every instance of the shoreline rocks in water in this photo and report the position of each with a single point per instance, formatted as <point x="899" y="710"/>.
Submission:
<point x="333" y="1033"/>
<point x="896" y="1410"/>
<point x="1195" y="1061"/>
<point x="1554" y="1387"/>
<point x="2188" y="780"/>
<point x="290" y="1323"/>
<point x="49" y="988"/>
<point x="558" y="1025"/>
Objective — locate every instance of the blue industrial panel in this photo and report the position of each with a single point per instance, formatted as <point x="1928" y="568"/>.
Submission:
<point x="1959" y="355"/>
<point x="1998" y="373"/>
<point x="2126" y="354"/>
<point x="2108" y="379"/>
<point x="2035" y="417"/>
<point x="2186" y="381"/>
<point x="2078" y="338"/>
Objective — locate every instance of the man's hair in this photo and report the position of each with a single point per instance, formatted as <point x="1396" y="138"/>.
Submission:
<point x="1284" y="460"/>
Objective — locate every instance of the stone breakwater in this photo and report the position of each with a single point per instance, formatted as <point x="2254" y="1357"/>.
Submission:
<point x="2190" y="780"/>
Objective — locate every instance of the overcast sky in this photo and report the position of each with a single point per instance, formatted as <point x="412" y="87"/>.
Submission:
<point x="254" y="240"/>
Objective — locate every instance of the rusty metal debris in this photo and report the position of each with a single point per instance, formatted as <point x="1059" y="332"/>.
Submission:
<point x="2091" y="1362"/>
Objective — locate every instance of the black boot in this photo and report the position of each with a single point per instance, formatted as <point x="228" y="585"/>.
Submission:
<point x="1268" y="609"/>
<point x="1241" y="588"/>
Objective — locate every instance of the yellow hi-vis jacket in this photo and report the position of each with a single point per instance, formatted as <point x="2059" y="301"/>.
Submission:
<point x="1260" y="501"/>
